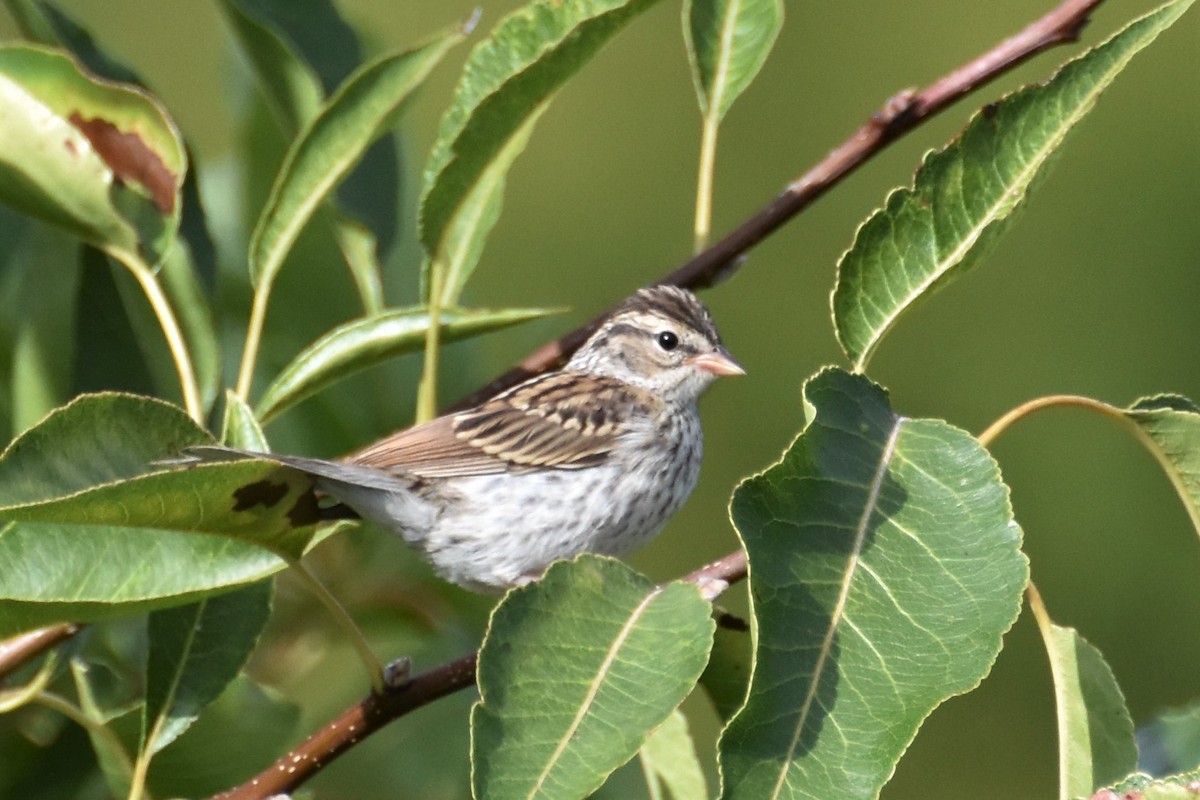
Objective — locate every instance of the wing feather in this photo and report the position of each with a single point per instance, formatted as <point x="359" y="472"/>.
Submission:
<point x="564" y="420"/>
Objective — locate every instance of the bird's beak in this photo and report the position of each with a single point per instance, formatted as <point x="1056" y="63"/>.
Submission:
<point x="718" y="362"/>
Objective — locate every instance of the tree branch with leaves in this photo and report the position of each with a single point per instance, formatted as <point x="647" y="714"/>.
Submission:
<point x="883" y="559"/>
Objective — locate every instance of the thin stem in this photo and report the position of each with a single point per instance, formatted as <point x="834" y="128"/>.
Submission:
<point x="427" y="389"/>
<point x="141" y="766"/>
<point x="1046" y="629"/>
<point x="1050" y="401"/>
<point x="346" y="622"/>
<point x="13" y="699"/>
<point x="1118" y="415"/>
<point x="704" y="183"/>
<point x="76" y="714"/>
<point x="900" y="114"/>
<point x="171" y="330"/>
<point x="254" y="329"/>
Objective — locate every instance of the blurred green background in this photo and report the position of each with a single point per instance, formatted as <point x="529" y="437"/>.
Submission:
<point x="1094" y="291"/>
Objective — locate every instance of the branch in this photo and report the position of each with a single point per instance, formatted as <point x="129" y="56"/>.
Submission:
<point x="900" y="114"/>
<point x="20" y="650"/>
<point x="368" y="716"/>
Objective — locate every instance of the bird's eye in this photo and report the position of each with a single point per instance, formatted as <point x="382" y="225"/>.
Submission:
<point x="668" y="341"/>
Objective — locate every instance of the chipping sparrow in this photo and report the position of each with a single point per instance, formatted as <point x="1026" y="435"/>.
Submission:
<point x="593" y="458"/>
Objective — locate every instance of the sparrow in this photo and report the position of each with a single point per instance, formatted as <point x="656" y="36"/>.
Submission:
<point x="595" y="457"/>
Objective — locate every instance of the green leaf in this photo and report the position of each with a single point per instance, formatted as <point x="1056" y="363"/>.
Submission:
<point x="885" y="567"/>
<point x="94" y="439"/>
<point x="232" y="740"/>
<point x="195" y="651"/>
<point x="75" y="573"/>
<point x="727" y="675"/>
<point x="669" y="756"/>
<point x="477" y="213"/>
<point x="359" y="248"/>
<point x="506" y="83"/>
<point x="363" y="109"/>
<point x="575" y="671"/>
<point x="253" y="501"/>
<point x="292" y="89"/>
<point x="99" y="159"/>
<point x="288" y="49"/>
<point x="43" y="323"/>
<point x="1171" y="741"/>
<point x="1095" y="732"/>
<point x="31" y="21"/>
<point x="119" y="531"/>
<point x="90" y="462"/>
<point x="241" y="429"/>
<point x="964" y="196"/>
<point x="728" y="41"/>
<point x="1144" y="787"/>
<point x="364" y="342"/>
<point x="1170" y="428"/>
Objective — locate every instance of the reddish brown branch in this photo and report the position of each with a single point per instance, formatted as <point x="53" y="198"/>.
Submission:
<point x="361" y="720"/>
<point x="351" y="727"/>
<point x="900" y="114"/>
<point x="20" y="650"/>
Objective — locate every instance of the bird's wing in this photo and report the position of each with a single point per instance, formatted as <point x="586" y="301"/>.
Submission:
<point x="564" y="420"/>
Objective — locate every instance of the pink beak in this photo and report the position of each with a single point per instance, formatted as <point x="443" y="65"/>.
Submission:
<point x="718" y="362"/>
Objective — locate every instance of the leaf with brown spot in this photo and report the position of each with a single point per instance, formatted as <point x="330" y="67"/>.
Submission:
<point x="97" y="158"/>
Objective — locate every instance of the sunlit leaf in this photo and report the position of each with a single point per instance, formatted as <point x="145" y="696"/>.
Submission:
<point x="728" y="41"/>
<point x="575" y="671"/>
<point x="363" y="108"/>
<point x="1171" y="427"/>
<point x="364" y="342"/>
<point x="294" y="56"/>
<point x="241" y="429"/>
<point x="885" y="566"/>
<point x="116" y="530"/>
<point x="93" y="440"/>
<point x="1144" y="787"/>
<point x="669" y="756"/>
<point x="100" y="159"/>
<point x="508" y="79"/>
<point x="65" y="573"/>
<point x="964" y="196"/>
<point x="1095" y="733"/>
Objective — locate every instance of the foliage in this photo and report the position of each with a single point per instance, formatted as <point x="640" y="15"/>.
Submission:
<point x="885" y="561"/>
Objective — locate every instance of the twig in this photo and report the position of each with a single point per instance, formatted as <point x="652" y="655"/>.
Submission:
<point x="900" y="114"/>
<point x="368" y="716"/>
<point x="20" y="650"/>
